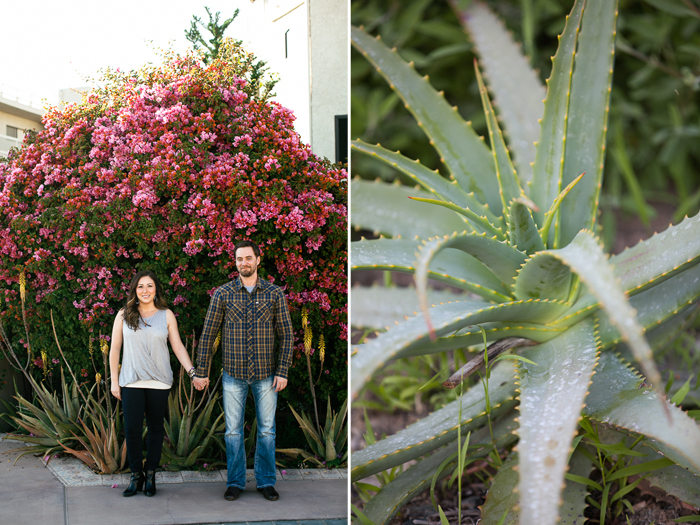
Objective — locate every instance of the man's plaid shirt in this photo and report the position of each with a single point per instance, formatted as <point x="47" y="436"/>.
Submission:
<point x="250" y="322"/>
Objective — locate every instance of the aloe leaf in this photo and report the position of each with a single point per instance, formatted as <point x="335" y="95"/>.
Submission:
<point x="549" y="161"/>
<point x="387" y="209"/>
<point x="455" y="268"/>
<point x="503" y="260"/>
<point x="588" y="114"/>
<point x="617" y="397"/>
<point x="494" y="331"/>
<point x="460" y="148"/>
<point x="517" y="90"/>
<point x="508" y="185"/>
<point x="431" y="181"/>
<point x="446" y="318"/>
<point x="656" y="305"/>
<point x="478" y="224"/>
<point x="550" y="407"/>
<point x="660" y="257"/>
<point x="437" y="429"/>
<point x="502" y="496"/>
<point x="574" y="494"/>
<point x="382" y="507"/>
<point x="543" y="277"/>
<point x="522" y="230"/>
<point x="673" y="479"/>
<point x="549" y="216"/>
<point x="379" y="307"/>
<point x="586" y="258"/>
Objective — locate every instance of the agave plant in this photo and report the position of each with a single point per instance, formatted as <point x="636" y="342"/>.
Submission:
<point x="514" y="224"/>
<point x="327" y="443"/>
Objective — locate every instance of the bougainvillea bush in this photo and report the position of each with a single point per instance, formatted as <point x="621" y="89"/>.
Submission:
<point x="166" y="168"/>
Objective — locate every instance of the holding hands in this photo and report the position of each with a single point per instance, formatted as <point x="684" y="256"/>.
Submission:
<point x="200" y="383"/>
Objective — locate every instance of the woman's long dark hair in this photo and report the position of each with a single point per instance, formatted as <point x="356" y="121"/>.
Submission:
<point x="131" y="306"/>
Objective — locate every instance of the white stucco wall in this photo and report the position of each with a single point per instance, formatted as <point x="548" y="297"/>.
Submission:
<point x="328" y="71"/>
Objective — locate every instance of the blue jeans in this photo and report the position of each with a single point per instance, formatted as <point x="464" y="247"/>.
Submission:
<point x="235" y="393"/>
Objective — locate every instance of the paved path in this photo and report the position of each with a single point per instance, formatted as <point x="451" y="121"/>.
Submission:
<point x="32" y="494"/>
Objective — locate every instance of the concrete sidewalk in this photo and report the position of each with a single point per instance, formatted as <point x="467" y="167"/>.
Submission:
<point x="32" y="494"/>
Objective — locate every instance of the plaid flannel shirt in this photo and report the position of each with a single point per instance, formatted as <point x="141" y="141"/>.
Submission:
<point x="250" y="322"/>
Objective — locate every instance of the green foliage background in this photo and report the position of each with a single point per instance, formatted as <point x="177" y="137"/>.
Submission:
<point x="654" y="118"/>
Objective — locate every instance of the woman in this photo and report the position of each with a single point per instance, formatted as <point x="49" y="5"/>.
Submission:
<point x="144" y="326"/>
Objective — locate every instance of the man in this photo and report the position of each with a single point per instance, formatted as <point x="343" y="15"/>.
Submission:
<point x="253" y="313"/>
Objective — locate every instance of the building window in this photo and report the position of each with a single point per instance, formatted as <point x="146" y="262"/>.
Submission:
<point x="341" y="138"/>
<point x="11" y="131"/>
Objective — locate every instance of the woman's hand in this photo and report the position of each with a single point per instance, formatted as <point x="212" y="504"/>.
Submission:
<point x="116" y="391"/>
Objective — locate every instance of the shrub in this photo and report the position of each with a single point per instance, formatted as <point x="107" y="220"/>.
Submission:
<point x="167" y="168"/>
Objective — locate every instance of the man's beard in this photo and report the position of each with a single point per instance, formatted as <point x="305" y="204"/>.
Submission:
<point x="247" y="272"/>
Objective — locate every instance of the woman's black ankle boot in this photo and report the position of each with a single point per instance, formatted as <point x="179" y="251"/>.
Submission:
<point x="150" y="489"/>
<point x="135" y="484"/>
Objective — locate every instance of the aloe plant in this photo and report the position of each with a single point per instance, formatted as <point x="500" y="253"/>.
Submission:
<point x="328" y="443"/>
<point x="515" y="225"/>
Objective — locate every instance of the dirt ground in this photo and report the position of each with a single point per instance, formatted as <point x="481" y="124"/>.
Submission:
<point x="651" y="505"/>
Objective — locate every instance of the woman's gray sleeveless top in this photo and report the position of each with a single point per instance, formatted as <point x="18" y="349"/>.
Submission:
<point x="146" y="354"/>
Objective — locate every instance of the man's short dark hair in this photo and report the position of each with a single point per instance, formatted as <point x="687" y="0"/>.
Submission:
<point x="247" y="244"/>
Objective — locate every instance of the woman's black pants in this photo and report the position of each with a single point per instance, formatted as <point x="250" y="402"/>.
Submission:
<point x="152" y="403"/>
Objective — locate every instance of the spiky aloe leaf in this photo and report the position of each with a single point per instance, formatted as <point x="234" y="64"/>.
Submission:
<point x="657" y="305"/>
<point x="438" y="429"/>
<point x="522" y="230"/>
<point x="660" y="257"/>
<point x="617" y="397"/>
<point x="388" y="210"/>
<point x="588" y="115"/>
<point x="518" y="92"/>
<point x="446" y="318"/>
<point x="503" y="260"/>
<point x="381" y="508"/>
<point x="431" y="181"/>
<point x="460" y="148"/>
<point x="379" y="307"/>
<point x="552" y="394"/>
<point x="586" y="258"/>
<point x="549" y="160"/>
<point x="503" y="497"/>
<point x="508" y="184"/>
<point x="457" y="269"/>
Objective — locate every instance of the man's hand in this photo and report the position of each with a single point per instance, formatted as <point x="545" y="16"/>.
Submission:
<point x="200" y="383"/>
<point x="279" y="383"/>
<point x="116" y="391"/>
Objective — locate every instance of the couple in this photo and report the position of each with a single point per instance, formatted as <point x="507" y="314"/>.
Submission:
<point x="251" y="313"/>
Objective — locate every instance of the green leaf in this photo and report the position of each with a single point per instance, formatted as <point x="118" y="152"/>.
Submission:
<point x="660" y="257"/>
<point x="379" y="307"/>
<point x="688" y="519"/>
<point x="517" y="91"/>
<point x="586" y="258"/>
<point x="574" y="494"/>
<point x="478" y="224"/>
<point x="455" y="268"/>
<point x="443" y="518"/>
<point x="674" y="7"/>
<point x="460" y="148"/>
<point x="431" y="181"/>
<point x="502" y="497"/>
<point x="640" y="468"/>
<point x="445" y="318"/>
<point x="508" y="184"/>
<point x="418" y="477"/>
<point x="616" y="397"/>
<point x="679" y="396"/>
<point x="583" y="481"/>
<point x="522" y="230"/>
<point x="387" y="209"/>
<point x="503" y="260"/>
<point x="588" y="114"/>
<point x="665" y="302"/>
<point x="435" y="430"/>
<point x="361" y="515"/>
<point x="552" y="394"/>
<point x="549" y="160"/>
<point x="543" y="277"/>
